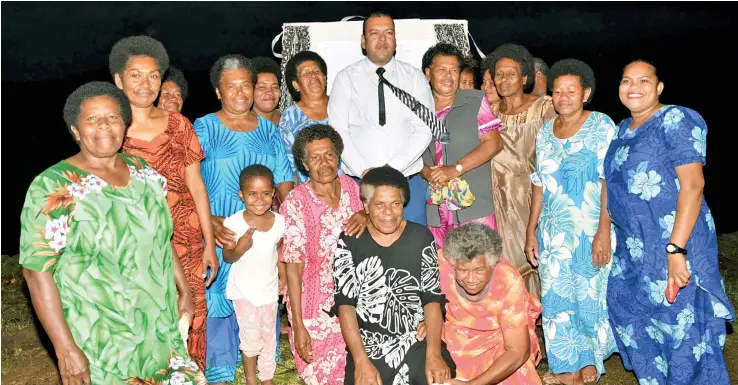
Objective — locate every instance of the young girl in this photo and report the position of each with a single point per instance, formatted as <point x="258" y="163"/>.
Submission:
<point x="256" y="278"/>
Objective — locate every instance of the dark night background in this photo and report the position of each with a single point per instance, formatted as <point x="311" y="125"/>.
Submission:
<point x="49" y="49"/>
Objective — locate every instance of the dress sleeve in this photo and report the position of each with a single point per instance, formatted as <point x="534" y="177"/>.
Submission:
<point x="282" y="169"/>
<point x="345" y="281"/>
<point x="193" y="150"/>
<point x="288" y="138"/>
<point x="201" y="131"/>
<point x="685" y="134"/>
<point x="45" y="220"/>
<point x="486" y="119"/>
<point x="607" y="128"/>
<point x="295" y="237"/>
<point x="430" y="285"/>
<point x="514" y="311"/>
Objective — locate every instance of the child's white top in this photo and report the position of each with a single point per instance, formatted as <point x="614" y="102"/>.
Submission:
<point x="254" y="277"/>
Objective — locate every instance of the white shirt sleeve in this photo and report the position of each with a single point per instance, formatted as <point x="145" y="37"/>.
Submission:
<point x="339" y="108"/>
<point x="421" y="137"/>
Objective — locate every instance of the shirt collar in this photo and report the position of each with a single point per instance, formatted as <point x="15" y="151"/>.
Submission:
<point x="373" y="67"/>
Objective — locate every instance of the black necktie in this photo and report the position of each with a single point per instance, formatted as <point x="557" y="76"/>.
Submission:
<point x="380" y="90"/>
<point x="437" y="127"/>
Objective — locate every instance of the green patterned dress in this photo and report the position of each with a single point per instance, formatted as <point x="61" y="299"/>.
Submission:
<point x="109" y="251"/>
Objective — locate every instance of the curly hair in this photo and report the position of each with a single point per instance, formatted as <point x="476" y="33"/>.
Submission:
<point x="514" y="52"/>
<point x="540" y="65"/>
<point x="470" y="241"/>
<point x="292" y="69"/>
<point x="87" y="91"/>
<point x="384" y="176"/>
<point x="576" y="68"/>
<point x="312" y="133"/>
<point x="255" y="171"/>
<point x="132" y="46"/>
<point x="265" y="65"/>
<point x="231" y="62"/>
<point x="176" y="76"/>
<point x="442" y="49"/>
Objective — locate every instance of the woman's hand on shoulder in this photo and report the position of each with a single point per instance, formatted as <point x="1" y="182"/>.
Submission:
<point x="356" y="224"/>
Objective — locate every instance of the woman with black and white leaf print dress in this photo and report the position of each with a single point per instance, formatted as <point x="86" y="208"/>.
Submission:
<point x="386" y="282"/>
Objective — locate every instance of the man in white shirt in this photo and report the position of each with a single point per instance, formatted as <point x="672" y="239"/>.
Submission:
<point x="354" y="111"/>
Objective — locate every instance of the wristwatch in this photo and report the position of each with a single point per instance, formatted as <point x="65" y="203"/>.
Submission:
<point x="459" y="168"/>
<point x="674" y="249"/>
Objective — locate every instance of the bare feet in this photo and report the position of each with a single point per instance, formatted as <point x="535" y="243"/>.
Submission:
<point x="589" y="373"/>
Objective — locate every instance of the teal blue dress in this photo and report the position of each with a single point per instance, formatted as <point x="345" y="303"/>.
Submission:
<point x="575" y="319"/>
<point x="678" y="343"/>
<point x="227" y="153"/>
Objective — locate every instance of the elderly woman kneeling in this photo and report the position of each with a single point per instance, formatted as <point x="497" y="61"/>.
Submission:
<point x="490" y="316"/>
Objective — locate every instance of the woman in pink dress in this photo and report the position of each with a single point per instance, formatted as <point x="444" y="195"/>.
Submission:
<point x="315" y="214"/>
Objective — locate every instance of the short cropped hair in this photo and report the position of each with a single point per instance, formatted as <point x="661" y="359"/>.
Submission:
<point x="442" y="49"/>
<point x="254" y="171"/>
<point x="470" y="241"/>
<point x="576" y="68"/>
<point x="292" y="69"/>
<point x="384" y="176"/>
<point x="75" y="100"/>
<point x="231" y="62"/>
<point x="514" y="52"/>
<point x="644" y="61"/>
<point x="265" y="65"/>
<point x="373" y="15"/>
<point x="312" y="133"/>
<point x="133" y="46"/>
<point x="177" y="77"/>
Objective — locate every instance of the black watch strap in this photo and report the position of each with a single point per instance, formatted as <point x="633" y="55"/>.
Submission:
<point x="674" y="249"/>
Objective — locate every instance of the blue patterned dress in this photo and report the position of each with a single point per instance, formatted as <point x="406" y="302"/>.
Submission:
<point x="293" y="120"/>
<point x="226" y="154"/>
<point x="680" y="343"/>
<point x="573" y="292"/>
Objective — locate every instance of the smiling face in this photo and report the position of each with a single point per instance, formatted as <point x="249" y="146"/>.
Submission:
<point x="568" y="94"/>
<point x="488" y="87"/>
<point x="473" y="276"/>
<point x="236" y="91"/>
<point x="378" y="39"/>
<point x="266" y="92"/>
<point x="385" y="207"/>
<point x="170" y="98"/>
<point x="310" y="79"/>
<point x="639" y="87"/>
<point x="443" y="74"/>
<point x="100" y="129"/>
<point x="257" y="193"/>
<point x="141" y="81"/>
<point x="466" y="80"/>
<point x="509" y="80"/>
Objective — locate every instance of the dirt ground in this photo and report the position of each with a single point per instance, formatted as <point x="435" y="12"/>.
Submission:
<point x="28" y="359"/>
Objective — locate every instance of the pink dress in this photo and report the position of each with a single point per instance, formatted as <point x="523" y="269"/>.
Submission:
<point x="486" y="122"/>
<point x="311" y="235"/>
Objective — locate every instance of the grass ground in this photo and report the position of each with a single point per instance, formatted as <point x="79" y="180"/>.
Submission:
<point x="27" y="354"/>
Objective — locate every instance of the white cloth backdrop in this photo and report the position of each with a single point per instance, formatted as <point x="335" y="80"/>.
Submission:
<point x="339" y="43"/>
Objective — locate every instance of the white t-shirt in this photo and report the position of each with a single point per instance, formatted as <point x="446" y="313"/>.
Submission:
<point x="254" y="277"/>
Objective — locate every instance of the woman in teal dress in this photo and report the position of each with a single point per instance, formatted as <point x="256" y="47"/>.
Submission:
<point x="665" y="237"/>
<point x="568" y="234"/>
<point x="97" y="255"/>
<point x="232" y="139"/>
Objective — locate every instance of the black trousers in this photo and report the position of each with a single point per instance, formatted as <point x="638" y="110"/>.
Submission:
<point x="415" y="361"/>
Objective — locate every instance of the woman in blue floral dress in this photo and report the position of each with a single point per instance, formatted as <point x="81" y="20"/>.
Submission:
<point x="665" y="236"/>
<point x="568" y="235"/>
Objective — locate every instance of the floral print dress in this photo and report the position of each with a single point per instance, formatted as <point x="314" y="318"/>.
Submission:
<point x="311" y="238"/>
<point x="573" y="292"/>
<point x="679" y="343"/>
<point x="109" y="251"/>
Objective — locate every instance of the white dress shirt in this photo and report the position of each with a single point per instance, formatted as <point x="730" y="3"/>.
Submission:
<point x="353" y="110"/>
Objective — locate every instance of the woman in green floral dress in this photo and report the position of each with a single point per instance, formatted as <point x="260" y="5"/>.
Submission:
<point x="97" y="255"/>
